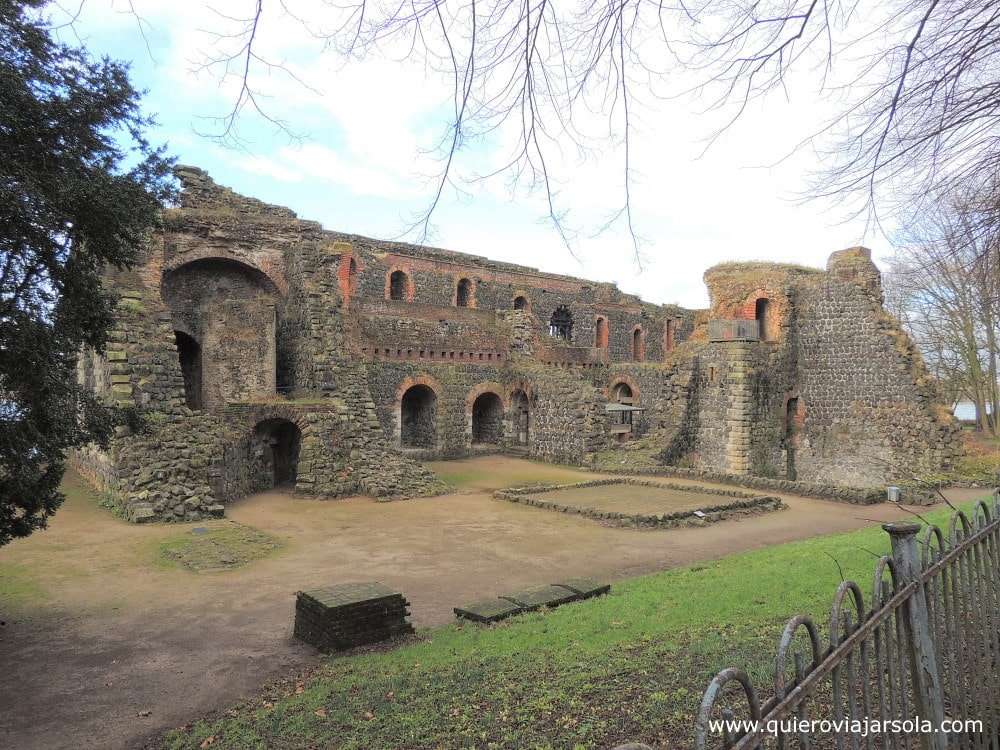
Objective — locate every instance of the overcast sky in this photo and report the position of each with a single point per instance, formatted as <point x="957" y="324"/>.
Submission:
<point x="362" y="162"/>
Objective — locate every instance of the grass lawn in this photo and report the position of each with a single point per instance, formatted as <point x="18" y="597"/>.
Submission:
<point x="631" y="665"/>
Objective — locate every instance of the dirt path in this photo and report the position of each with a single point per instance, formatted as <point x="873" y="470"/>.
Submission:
<point x="98" y="631"/>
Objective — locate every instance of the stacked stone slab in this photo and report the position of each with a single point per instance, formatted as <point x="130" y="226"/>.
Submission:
<point x="529" y="600"/>
<point x="347" y="615"/>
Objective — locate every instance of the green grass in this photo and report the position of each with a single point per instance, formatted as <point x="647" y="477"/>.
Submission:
<point x="631" y="665"/>
<point x="18" y="587"/>
<point x="482" y="473"/>
<point x="219" y="545"/>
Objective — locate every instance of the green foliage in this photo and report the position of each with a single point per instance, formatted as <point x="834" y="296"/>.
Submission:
<point x="628" y="666"/>
<point x="80" y="187"/>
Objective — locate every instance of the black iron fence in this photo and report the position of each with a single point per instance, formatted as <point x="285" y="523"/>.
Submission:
<point x="916" y="667"/>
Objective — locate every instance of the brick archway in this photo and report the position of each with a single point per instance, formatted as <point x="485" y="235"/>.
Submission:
<point x="619" y="380"/>
<point x="464" y="292"/>
<point x="349" y="266"/>
<point x="637" y="341"/>
<point x="602" y="332"/>
<point x="485" y="413"/>
<point x="409" y="290"/>
<point x="769" y="308"/>
<point x="427" y="382"/>
<point x="271" y="273"/>
<point x="521" y="298"/>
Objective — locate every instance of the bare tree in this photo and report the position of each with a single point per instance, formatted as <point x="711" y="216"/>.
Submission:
<point x="945" y="287"/>
<point x="919" y="81"/>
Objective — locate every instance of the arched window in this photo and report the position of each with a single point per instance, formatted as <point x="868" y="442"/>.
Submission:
<point x="397" y="285"/>
<point x="463" y="294"/>
<point x="638" y="345"/>
<point x="623" y="393"/>
<point x="561" y="324"/>
<point x="601" y="333"/>
<point x="668" y="336"/>
<point x="761" y="312"/>
<point x="520" y="302"/>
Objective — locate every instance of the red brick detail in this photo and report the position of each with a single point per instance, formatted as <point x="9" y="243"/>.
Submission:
<point x="487" y="387"/>
<point x="616" y="381"/>
<point x="347" y="276"/>
<point x="413" y="380"/>
<point x="601" y="332"/>
<point x="521" y="385"/>
<point x="471" y="302"/>
<point x="669" y="332"/>
<point x="527" y="300"/>
<point x="410" y="290"/>
<point x="638" y="344"/>
<point x="776" y="312"/>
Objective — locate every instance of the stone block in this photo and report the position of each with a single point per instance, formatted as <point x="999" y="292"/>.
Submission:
<point x="488" y="610"/>
<point x="140" y="513"/>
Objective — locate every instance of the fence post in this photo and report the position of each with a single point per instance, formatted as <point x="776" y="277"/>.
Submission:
<point x="927" y="691"/>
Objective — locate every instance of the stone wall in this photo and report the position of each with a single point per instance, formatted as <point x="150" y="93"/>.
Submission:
<point x="245" y="324"/>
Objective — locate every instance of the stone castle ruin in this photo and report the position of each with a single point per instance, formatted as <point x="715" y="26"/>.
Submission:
<point x="263" y="350"/>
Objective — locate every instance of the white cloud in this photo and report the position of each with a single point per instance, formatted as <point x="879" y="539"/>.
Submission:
<point x="370" y="124"/>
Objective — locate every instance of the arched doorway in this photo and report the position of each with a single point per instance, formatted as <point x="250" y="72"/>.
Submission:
<point x="281" y="440"/>
<point x="520" y="417"/>
<point x="189" y="354"/>
<point x="229" y="310"/>
<point x="520" y="302"/>
<point x="418" y="418"/>
<point x="762" y="308"/>
<point x="487" y="418"/>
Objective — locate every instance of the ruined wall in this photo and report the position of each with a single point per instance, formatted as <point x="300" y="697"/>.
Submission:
<point x="240" y="314"/>
<point x="835" y="393"/>
<point x="869" y="404"/>
<point x="569" y="419"/>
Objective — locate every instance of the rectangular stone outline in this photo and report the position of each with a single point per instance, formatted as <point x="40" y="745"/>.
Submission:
<point x="747" y="505"/>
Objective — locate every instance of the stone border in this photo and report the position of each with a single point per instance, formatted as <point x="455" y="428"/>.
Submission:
<point x="855" y="495"/>
<point x="747" y="505"/>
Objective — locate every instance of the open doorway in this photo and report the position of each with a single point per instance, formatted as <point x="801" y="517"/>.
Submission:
<point x="281" y="442"/>
<point x="487" y="419"/>
<point x="521" y="418"/>
<point x="189" y="354"/>
<point x="418" y="418"/>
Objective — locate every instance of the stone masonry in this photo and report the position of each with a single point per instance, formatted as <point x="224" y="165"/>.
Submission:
<point x="263" y="350"/>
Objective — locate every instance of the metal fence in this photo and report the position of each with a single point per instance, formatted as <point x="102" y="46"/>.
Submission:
<point x="903" y="671"/>
<point x="733" y="330"/>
